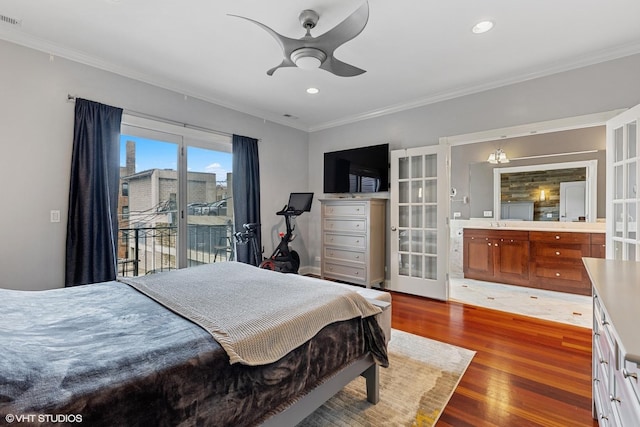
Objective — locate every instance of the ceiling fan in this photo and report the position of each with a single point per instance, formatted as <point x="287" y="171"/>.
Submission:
<point x="311" y="52"/>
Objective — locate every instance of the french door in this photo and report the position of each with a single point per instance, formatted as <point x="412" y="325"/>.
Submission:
<point x="419" y="226"/>
<point x="623" y="201"/>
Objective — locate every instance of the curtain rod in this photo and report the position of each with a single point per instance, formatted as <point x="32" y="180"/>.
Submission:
<point x="72" y="98"/>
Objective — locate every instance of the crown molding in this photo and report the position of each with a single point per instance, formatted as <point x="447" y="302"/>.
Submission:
<point x="46" y="46"/>
<point x="577" y="62"/>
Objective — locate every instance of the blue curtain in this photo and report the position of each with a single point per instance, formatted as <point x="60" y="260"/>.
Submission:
<point x="246" y="192"/>
<point x="92" y="225"/>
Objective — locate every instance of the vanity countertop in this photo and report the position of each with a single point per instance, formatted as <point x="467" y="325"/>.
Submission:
<point x="574" y="227"/>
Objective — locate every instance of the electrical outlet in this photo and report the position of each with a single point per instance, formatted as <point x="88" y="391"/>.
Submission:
<point x="488" y="214"/>
<point x="54" y="216"/>
<point x="457" y="214"/>
<point x="549" y="215"/>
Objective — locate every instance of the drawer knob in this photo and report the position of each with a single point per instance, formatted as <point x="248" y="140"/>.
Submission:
<point x="614" y="399"/>
<point x="557" y="274"/>
<point x="357" y="256"/>
<point x="489" y="244"/>
<point x="628" y="374"/>
<point x="604" y="362"/>
<point x="557" y="253"/>
<point x="557" y="237"/>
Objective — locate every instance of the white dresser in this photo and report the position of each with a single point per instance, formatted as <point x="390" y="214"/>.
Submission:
<point x="353" y="240"/>
<point x="616" y="341"/>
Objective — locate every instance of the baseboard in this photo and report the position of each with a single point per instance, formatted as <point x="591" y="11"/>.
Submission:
<point x="315" y="271"/>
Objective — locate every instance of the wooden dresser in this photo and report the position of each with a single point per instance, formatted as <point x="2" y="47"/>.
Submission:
<point x="616" y="341"/>
<point x="353" y="240"/>
<point x="538" y="259"/>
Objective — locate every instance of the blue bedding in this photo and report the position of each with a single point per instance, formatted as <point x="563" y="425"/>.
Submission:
<point x="113" y="356"/>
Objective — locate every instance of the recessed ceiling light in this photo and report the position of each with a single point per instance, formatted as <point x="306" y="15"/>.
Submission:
<point x="313" y="90"/>
<point x="482" y="27"/>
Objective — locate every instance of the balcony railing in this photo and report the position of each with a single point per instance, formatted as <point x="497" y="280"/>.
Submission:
<point x="147" y="250"/>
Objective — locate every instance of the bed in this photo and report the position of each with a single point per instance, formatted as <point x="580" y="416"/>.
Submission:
<point x="149" y="352"/>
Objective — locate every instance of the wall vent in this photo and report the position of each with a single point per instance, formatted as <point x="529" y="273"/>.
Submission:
<point x="9" y="20"/>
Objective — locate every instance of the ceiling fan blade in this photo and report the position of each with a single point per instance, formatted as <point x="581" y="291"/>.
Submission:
<point x="287" y="44"/>
<point x="339" y="68"/>
<point x="344" y="31"/>
<point x="285" y="63"/>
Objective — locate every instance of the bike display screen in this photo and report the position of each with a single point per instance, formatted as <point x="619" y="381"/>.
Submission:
<point x="300" y="202"/>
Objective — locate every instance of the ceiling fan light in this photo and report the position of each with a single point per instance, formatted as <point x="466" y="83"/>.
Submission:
<point x="308" y="58"/>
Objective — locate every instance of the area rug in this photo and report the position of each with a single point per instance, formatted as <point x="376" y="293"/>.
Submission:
<point x="414" y="390"/>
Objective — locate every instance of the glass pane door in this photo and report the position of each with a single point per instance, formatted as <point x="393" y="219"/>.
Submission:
<point x="418" y="217"/>
<point x="147" y="204"/>
<point x="209" y="206"/>
<point x="622" y="196"/>
<point x="175" y="202"/>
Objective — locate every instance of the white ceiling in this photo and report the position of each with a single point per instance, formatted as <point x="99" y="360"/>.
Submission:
<point x="415" y="51"/>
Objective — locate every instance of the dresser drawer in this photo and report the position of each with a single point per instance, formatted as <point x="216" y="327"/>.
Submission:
<point x="331" y="239"/>
<point x="350" y="209"/>
<point x="559" y="252"/>
<point x="602" y="360"/>
<point x="625" y="401"/>
<point x="349" y="225"/>
<point x="597" y="238"/>
<point x="631" y="373"/>
<point x="560" y="271"/>
<point x="345" y="272"/>
<point x="602" y="403"/>
<point x="480" y="233"/>
<point x="562" y="237"/>
<point x="341" y="254"/>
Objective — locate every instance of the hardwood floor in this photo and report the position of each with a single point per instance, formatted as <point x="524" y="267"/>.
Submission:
<point x="526" y="372"/>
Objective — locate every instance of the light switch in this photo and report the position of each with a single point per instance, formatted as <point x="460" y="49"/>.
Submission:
<point x="55" y="216"/>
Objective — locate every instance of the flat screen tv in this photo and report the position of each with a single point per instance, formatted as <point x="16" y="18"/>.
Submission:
<point x="357" y="170"/>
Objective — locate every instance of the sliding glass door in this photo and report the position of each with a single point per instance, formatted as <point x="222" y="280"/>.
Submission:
<point x="175" y="198"/>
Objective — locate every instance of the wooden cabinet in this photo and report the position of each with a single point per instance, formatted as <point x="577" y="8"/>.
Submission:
<point x="539" y="259"/>
<point x="556" y="261"/>
<point x="598" y="246"/>
<point x="353" y="240"/>
<point x="496" y="255"/>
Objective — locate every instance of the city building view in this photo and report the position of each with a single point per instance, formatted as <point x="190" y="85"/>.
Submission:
<point x="148" y="217"/>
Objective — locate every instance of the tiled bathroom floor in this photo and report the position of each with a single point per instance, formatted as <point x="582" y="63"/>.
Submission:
<point x="557" y="306"/>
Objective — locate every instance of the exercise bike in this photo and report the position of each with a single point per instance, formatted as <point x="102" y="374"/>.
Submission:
<point x="283" y="259"/>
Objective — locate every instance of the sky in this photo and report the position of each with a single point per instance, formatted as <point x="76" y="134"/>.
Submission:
<point x="152" y="154"/>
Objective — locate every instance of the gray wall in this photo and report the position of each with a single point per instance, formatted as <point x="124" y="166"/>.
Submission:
<point x="598" y="88"/>
<point x="36" y="132"/>
<point x="36" y="128"/>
